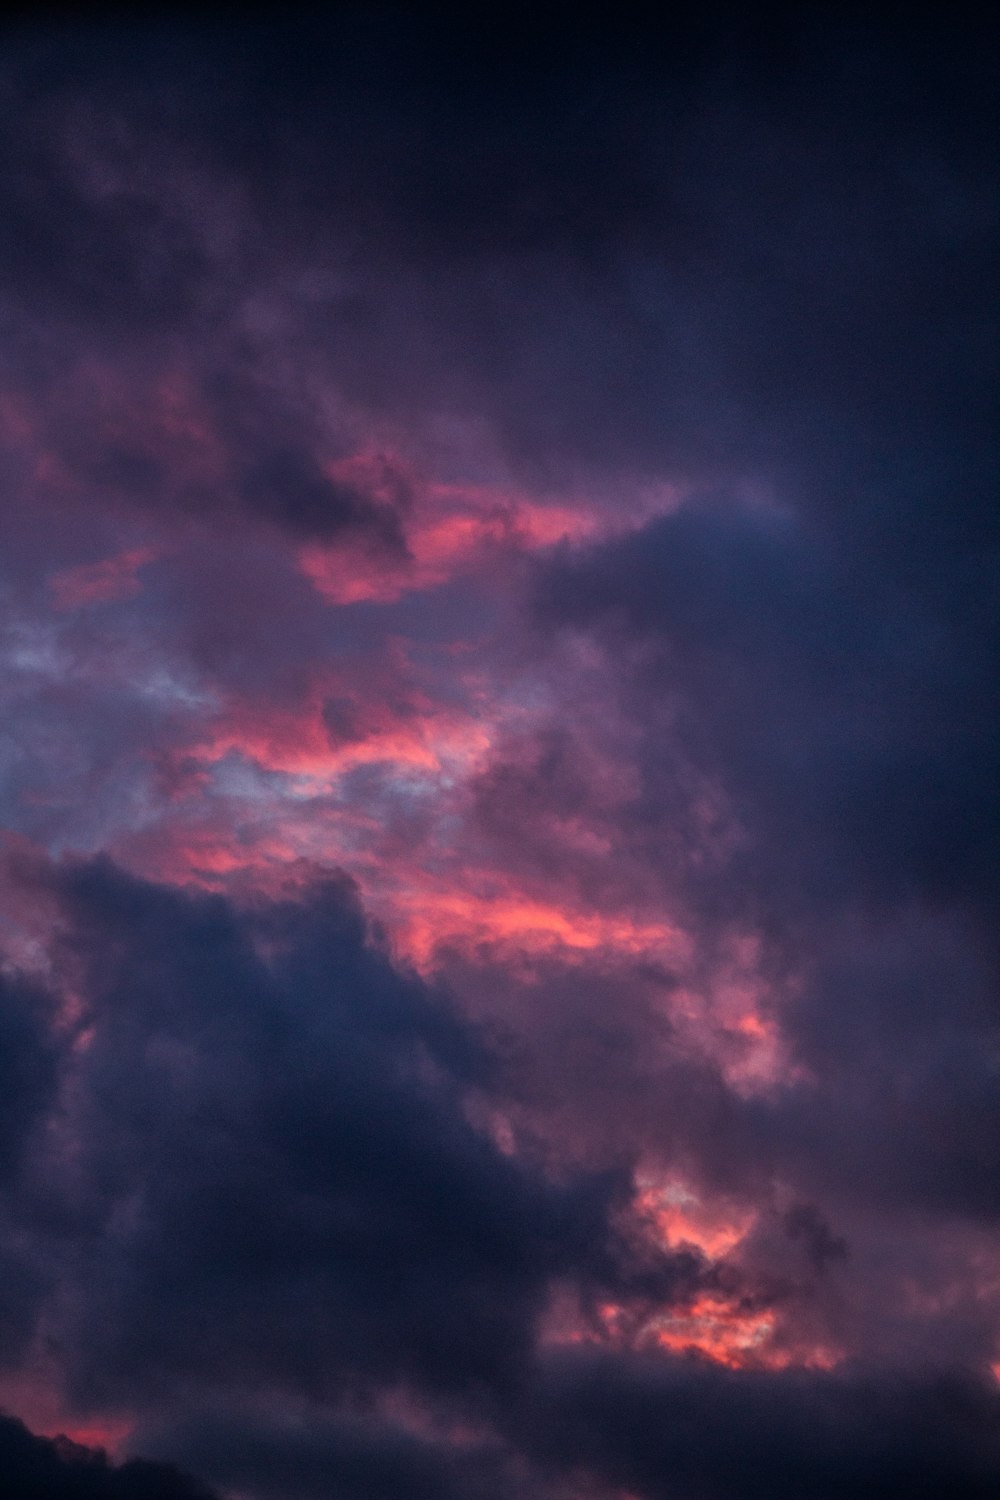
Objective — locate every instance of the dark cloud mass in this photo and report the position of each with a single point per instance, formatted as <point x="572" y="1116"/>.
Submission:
<point x="306" y="1195"/>
<point x="37" y="1468"/>
<point x="498" y="641"/>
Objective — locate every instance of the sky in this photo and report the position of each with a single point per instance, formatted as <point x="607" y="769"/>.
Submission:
<point x="499" y="638"/>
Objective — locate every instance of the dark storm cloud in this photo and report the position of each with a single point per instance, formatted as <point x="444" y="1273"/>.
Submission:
<point x="28" y="1081"/>
<point x="362" y="1458"/>
<point x="28" y="1066"/>
<point x="274" y="1184"/>
<point x="659" y="1427"/>
<point x="851" y="721"/>
<point x="274" y="1176"/>
<point x="663" y="1427"/>
<point x="37" y="1468"/>
<point x="674" y="1428"/>
<point x="274" y="1187"/>
<point x="852" y="717"/>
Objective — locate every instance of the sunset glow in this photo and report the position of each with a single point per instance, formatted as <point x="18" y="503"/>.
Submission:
<point x="499" y="641"/>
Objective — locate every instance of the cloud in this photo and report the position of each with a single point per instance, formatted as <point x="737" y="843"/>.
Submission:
<point x="548" y="472"/>
<point x="849" y="715"/>
<point x="664" y="1429"/>
<point x="38" y="1468"/>
<point x="273" y="1175"/>
<point x="28" y="1057"/>
<point x="275" y="1193"/>
<point x="363" y="1457"/>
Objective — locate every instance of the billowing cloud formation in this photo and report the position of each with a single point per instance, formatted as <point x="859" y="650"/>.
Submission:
<point x="277" y="1148"/>
<point x="264" y="1174"/>
<point x="498" y="637"/>
<point x="262" y="1166"/>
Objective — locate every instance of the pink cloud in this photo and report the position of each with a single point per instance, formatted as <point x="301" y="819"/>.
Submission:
<point x="451" y="530"/>
<point x="104" y="582"/>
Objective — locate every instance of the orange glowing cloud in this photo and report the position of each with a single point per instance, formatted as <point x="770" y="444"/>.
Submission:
<point x="715" y="1325"/>
<point x="502" y="918"/>
<point x="717" y="1328"/>
<point x="721" y="1331"/>
<point x="678" y="1216"/>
